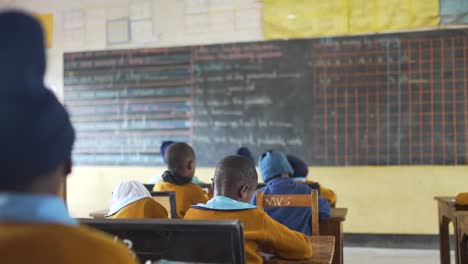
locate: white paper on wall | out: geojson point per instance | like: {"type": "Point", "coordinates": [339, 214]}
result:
{"type": "Point", "coordinates": [197, 23]}
{"type": "Point", "coordinates": [73, 38]}
{"type": "Point", "coordinates": [95, 29]}
{"type": "Point", "coordinates": [219, 5]}
{"type": "Point", "coordinates": [118, 31]}
{"type": "Point", "coordinates": [141, 31]}
{"type": "Point", "coordinates": [248, 19]}
{"type": "Point", "coordinates": [222, 21]}
{"type": "Point", "coordinates": [115, 13]}
{"type": "Point", "coordinates": [73, 19]}
{"type": "Point", "coordinates": [140, 9]}
{"type": "Point", "coordinates": [196, 6]}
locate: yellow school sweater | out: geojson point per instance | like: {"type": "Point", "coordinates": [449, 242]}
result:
{"type": "Point", "coordinates": [144, 208]}
{"type": "Point", "coordinates": [261, 233]}
{"type": "Point", "coordinates": [59, 244]}
{"type": "Point", "coordinates": [186, 195]}
{"type": "Point", "coordinates": [462, 198]}
{"type": "Point", "coordinates": [326, 194]}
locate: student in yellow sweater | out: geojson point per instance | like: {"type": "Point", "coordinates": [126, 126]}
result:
{"type": "Point", "coordinates": [235, 182]}
{"type": "Point", "coordinates": [181, 163]}
{"type": "Point", "coordinates": [131, 200]}
{"type": "Point", "coordinates": [36, 140]}
{"type": "Point", "coordinates": [301, 171]}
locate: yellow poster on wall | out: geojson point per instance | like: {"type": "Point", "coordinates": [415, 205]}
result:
{"type": "Point", "coordinates": [47, 21]}
{"type": "Point", "coordinates": [308, 18]}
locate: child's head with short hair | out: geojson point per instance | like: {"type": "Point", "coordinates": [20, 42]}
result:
{"type": "Point", "coordinates": [299, 166]}
{"type": "Point", "coordinates": [274, 164]}
{"type": "Point", "coordinates": [243, 151]}
{"type": "Point", "coordinates": [236, 178]}
{"type": "Point", "coordinates": [180, 158]}
{"type": "Point", "coordinates": [36, 138]}
{"type": "Point", "coordinates": [163, 148]}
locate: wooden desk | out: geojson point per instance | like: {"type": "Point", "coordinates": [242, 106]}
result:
{"type": "Point", "coordinates": [462, 236]}
{"type": "Point", "coordinates": [333, 226]}
{"type": "Point", "coordinates": [321, 247]}
{"type": "Point", "coordinates": [447, 210]}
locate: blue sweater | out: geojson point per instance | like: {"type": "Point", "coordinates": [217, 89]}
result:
{"type": "Point", "coordinates": [296, 218]}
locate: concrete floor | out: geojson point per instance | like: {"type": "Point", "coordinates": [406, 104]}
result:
{"type": "Point", "coordinates": [391, 256]}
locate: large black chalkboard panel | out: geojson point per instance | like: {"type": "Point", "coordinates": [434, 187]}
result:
{"type": "Point", "coordinates": [390, 99]}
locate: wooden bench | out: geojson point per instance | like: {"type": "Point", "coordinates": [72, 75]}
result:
{"type": "Point", "coordinates": [447, 213]}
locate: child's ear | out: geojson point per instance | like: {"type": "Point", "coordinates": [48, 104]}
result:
{"type": "Point", "coordinates": [191, 165]}
{"type": "Point", "coordinates": [68, 167]}
{"type": "Point", "coordinates": [243, 191]}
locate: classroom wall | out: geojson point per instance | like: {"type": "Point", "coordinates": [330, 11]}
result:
{"type": "Point", "coordinates": [380, 199]}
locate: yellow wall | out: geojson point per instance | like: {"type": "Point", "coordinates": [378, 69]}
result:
{"type": "Point", "coordinates": [380, 199]}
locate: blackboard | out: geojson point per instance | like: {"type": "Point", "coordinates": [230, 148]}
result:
{"type": "Point", "coordinates": [392, 99]}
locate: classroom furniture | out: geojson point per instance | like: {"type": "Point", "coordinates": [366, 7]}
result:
{"type": "Point", "coordinates": [447, 209]}
{"type": "Point", "coordinates": [312, 185]}
{"type": "Point", "coordinates": [333, 226]}
{"type": "Point", "coordinates": [166, 199]}
{"type": "Point", "coordinates": [462, 236]}
{"type": "Point", "coordinates": [321, 246]}
{"type": "Point", "coordinates": [281, 200]}
{"type": "Point", "coordinates": [149, 186]}
{"type": "Point", "coordinates": [207, 241]}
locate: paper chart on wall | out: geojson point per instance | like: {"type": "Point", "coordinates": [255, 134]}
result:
{"type": "Point", "coordinates": [454, 11]}
{"type": "Point", "coordinates": [249, 18]}
{"type": "Point", "coordinates": [282, 19]}
{"type": "Point", "coordinates": [196, 6]}
{"type": "Point", "coordinates": [222, 21]}
{"type": "Point", "coordinates": [140, 9]}
{"type": "Point", "coordinates": [142, 31]}
{"type": "Point", "coordinates": [95, 28]}
{"type": "Point", "coordinates": [118, 31]}
{"type": "Point", "coordinates": [197, 23]}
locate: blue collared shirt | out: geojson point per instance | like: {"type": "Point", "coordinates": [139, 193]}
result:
{"type": "Point", "coordinates": [224, 203]}
{"type": "Point", "coordinates": [33, 208]}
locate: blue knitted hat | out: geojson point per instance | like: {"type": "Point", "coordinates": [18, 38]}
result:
{"type": "Point", "coordinates": [164, 146]}
{"type": "Point", "coordinates": [245, 152]}
{"type": "Point", "coordinates": [273, 163]}
{"type": "Point", "coordinates": [36, 135]}
{"type": "Point", "coordinates": [299, 166]}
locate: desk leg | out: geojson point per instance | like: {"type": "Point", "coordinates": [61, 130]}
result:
{"type": "Point", "coordinates": [444, 240]}
{"type": "Point", "coordinates": [340, 244]}
{"type": "Point", "coordinates": [334, 229]}
{"type": "Point", "coordinates": [457, 245]}
{"type": "Point", "coordinates": [463, 254]}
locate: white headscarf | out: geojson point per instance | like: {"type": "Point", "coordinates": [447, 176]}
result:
{"type": "Point", "coordinates": [126, 193]}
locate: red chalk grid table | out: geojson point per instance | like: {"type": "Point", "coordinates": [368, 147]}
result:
{"type": "Point", "coordinates": [390, 101]}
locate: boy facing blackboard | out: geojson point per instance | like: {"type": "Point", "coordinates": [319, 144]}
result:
{"type": "Point", "coordinates": [181, 162]}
